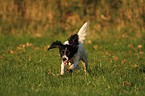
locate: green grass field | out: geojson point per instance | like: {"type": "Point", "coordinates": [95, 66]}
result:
{"type": "Point", "coordinates": [116, 67]}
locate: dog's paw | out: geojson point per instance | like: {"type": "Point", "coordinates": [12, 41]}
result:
{"type": "Point", "coordinates": [69, 70]}
{"type": "Point", "coordinates": [59, 75]}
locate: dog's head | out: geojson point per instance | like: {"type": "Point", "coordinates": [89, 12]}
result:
{"type": "Point", "coordinates": [66, 51]}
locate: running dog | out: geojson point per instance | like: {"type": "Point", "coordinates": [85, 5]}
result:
{"type": "Point", "coordinates": [72, 51]}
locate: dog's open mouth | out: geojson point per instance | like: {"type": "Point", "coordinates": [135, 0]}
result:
{"type": "Point", "coordinates": [66, 62]}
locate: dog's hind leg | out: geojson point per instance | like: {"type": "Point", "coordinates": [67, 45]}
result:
{"type": "Point", "coordinates": [85, 63]}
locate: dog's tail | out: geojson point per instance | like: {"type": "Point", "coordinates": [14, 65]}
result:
{"type": "Point", "coordinates": [83, 32]}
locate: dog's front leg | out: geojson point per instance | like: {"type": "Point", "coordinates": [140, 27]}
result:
{"type": "Point", "coordinates": [72, 67]}
{"type": "Point", "coordinates": [62, 68]}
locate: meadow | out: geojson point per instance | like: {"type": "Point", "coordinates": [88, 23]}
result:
{"type": "Point", "coordinates": [115, 46]}
{"type": "Point", "coordinates": [27, 68]}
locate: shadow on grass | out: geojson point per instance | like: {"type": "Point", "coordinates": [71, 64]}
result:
{"type": "Point", "coordinates": [142, 70]}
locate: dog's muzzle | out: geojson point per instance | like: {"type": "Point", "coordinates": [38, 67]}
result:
{"type": "Point", "coordinates": [64, 59]}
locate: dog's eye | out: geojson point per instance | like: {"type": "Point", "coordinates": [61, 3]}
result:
{"type": "Point", "coordinates": [62, 52]}
{"type": "Point", "coordinates": [67, 52]}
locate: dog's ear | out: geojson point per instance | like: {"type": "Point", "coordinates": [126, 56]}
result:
{"type": "Point", "coordinates": [56, 44]}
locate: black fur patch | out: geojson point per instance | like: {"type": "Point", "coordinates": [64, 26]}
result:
{"type": "Point", "coordinates": [56, 44]}
{"type": "Point", "coordinates": [73, 40]}
{"type": "Point", "coordinates": [68, 50]}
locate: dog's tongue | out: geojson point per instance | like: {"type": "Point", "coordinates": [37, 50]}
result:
{"type": "Point", "coordinates": [65, 62]}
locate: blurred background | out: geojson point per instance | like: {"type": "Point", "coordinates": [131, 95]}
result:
{"type": "Point", "coordinates": [51, 17]}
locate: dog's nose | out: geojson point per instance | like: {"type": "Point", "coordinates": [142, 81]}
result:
{"type": "Point", "coordinates": [64, 59]}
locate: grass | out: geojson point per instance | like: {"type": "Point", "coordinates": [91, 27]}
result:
{"type": "Point", "coordinates": [27, 68]}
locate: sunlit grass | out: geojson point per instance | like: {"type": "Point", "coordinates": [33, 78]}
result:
{"type": "Point", "coordinates": [27, 68]}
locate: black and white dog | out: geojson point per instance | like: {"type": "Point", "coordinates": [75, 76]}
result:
{"type": "Point", "coordinates": [72, 51]}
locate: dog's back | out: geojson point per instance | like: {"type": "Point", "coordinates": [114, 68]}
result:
{"type": "Point", "coordinates": [77, 40]}
{"type": "Point", "coordinates": [79, 37]}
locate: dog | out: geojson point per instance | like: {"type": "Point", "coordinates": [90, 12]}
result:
{"type": "Point", "coordinates": [72, 51]}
